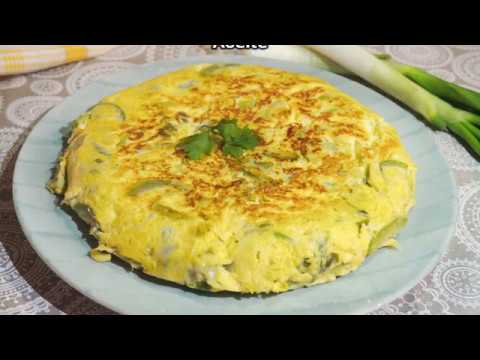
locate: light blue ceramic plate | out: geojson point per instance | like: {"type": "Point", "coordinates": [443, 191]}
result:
{"type": "Point", "coordinates": [384, 276]}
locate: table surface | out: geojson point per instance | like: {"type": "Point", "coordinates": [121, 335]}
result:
{"type": "Point", "coordinates": [28, 286]}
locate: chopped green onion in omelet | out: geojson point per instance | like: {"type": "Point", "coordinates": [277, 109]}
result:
{"type": "Point", "coordinates": [237, 178]}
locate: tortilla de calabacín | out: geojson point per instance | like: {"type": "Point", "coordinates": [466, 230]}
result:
{"type": "Point", "coordinates": [326, 182]}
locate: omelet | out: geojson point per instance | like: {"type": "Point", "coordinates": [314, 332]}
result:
{"type": "Point", "coordinates": [237, 178]}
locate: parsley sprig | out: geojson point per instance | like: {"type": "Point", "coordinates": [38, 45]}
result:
{"type": "Point", "coordinates": [233, 140]}
{"type": "Point", "coordinates": [197, 146]}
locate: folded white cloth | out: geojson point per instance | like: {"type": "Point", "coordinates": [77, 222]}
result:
{"type": "Point", "coordinates": [20, 59]}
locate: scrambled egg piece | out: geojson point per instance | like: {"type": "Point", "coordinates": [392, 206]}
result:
{"type": "Point", "coordinates": [329, 184]}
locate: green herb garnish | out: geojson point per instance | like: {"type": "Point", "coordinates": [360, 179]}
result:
{"type": "Point", "coordinates": [197, 146]}
{"type": "Point", "coordinates": [235, 140]}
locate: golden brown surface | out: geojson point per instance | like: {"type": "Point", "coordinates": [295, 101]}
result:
{"type": "Point", "coordinates": [328, 184]}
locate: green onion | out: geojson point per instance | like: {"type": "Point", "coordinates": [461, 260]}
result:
{"type": "Point", "coordinates": [454, 94]}
{"type": "Point", "coordinates": [438, 112]}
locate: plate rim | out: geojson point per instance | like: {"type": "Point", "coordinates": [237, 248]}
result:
{"type": "Point", "coordinates": [365, 309]}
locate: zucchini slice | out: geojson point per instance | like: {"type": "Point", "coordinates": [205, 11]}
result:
{"type": "Point", "coordinates": [107, 111]}
{"type": "Point", "coordinates": [283, 156]}
{"type": "Point", "coordinates": [211, 70]}
{"type": "Point", "coordinates": [169, 212]}
{"type": "Point", "coordinates": [388, 232]}
{"type": "Point", "coordinates": [188, 84]}
{"type": "Point", "coordinates": [147, 185]}
{"type": "Point", "coordinates": [394, 163]}
{"type": "Point", "coordinates": [85, 213]}
{"type": "Point", "coordinates": [246, 103]}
